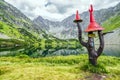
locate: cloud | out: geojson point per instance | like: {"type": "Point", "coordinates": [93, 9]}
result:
{"type": "Point", "coordinates": [57, 9]}
{"type": "Point", "coordinates": [105, 3]}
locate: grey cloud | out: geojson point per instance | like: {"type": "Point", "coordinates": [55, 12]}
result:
{"type": "Point", "coordinates": [105, 3]}
{"type": "Point", "coordinates": [61, 8]}
{"type": "Point", "coordinates": [25, 4]}
{"type": "Point", "coordinates": [48, 3]}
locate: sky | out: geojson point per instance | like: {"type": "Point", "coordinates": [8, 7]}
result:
{"type": "Point", "coordinates": [57, 10]}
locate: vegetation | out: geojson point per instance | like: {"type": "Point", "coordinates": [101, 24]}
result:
{"type": "Point", "coordinates": [10, 31]}
{"type": "Point", "coordinates": [72, 67]}
{"type": "Point", "coordinates": [8, 44]}
{"type": "Point", "coordinates": [32, 39]}
{"type": "Point", "coordinates": [24, 65]}
{"type": "Point", "coordinates": [17, 36]}
{"type": "Point", "coordinates": [112, 23]}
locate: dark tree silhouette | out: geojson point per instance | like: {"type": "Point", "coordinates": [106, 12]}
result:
{"type": "Point", "coordinates": [93, 26]}
{"type": "Point", "coordinates": [93, 54]}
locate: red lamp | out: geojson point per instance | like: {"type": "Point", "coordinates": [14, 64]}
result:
{"type": "Point", "coordinates": [77, 17]}
{"type": "Point", "coordinates": [93, 26]}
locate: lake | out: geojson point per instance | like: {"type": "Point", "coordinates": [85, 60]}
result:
{"type": "Point", "coordinates": [112, 50]}
{"type": "Point", "coordinates": [109, 50]}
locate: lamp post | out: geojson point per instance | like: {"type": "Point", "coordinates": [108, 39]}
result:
{"type": "Point", "coordinates": [92, 27]}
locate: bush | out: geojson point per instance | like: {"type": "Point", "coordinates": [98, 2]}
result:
{"type": "Point", "coordinates": [22, 56]}
{"type": "Point", "coordinates": [99, 68]}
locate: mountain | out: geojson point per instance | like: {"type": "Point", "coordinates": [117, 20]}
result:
{"type": "Point", "coordinates": [14, 24]}
{"type": "Point", "coordinates": [67, 29]}
{"type": "Point", "coordinates": [16, 29]}
{"type": "Point", "coordinates": [57, 29]}
{"type": "Point", "coordinates": [50, 27]}
{"type": "Point", "coordinates": [42, 22]}
{"type": "Point", "coordinates": [12, 16]}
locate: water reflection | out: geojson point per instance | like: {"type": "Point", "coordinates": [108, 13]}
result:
{"type": "Point", "coordinates": [38, 52]}
{"type": "Point", "coordinates": [112, 50]}
{"type": "Point", "coordinates": [43, 52]}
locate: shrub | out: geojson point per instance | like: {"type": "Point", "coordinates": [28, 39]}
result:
{"type": "Point", "coordinates": [22, 56]}
{"type": "Point", "coordinates": [99, 68]}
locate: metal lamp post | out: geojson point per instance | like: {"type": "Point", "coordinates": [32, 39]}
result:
{"type": "Point", "coordinates": [92, 27]}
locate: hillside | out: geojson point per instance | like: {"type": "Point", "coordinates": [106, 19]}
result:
{"type": "Point", "coordinates": [12, 16]}
{"type": "Point", "coordinates": [15, 24]}
{"type": "Point", "coordinates": [112, 23]}
{"type": "Point", "coordinates": [9, 32]}
{"type": "Point", "coordinates": [17, 29]}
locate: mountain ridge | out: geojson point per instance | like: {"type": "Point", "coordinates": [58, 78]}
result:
{"type": "Point", "coordinates": [15, 25]}
{"type": "Point", "coordinates": [14, 18]}
{"type": "Point", "coordinates": [67, 29]}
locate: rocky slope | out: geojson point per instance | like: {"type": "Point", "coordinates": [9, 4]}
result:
{"type": "Point", "coordinates": [67, 29]}
{"type": "Point", "coordinates": [112, 24]}
{"type": "Point", "coordinates": [113, 38]}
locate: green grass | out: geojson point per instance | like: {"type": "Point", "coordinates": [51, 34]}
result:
{"type": "Point", "coordinates": [17, 33]}
{"type": "Point", "coordinates": [71, 67]}
{"type": "Point", "coordinates": [112, 23]}
{"type": "Point", "coordinates": [10, 31]}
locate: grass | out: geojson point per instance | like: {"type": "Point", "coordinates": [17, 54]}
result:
{"type": "Point", "coordinates": [71, 67]}
{"type": "Point", "coordinates": [112, 23]}
{"type": "Point", "coordinates": [10, 31]}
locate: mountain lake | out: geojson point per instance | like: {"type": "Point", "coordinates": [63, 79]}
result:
{"type": "Point", "coordinates": [109, 50]}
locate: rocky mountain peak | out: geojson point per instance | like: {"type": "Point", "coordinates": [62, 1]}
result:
{"type": "Point", "coordinates": [69, 29]}
{"type": "Point", "coordinates": [39, 18]}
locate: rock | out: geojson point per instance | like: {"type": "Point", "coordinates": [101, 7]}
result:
{"type": "Point", "coordinates": [66, 29]}
{"type": "Point", "coordinates": [3, 36]}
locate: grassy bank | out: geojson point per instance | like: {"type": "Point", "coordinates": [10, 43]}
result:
{"type": "Point", "coordinates": [58, 68]}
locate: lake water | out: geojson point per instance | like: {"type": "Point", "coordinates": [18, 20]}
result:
{"type": "Point", "coordinates": [111, 50]}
